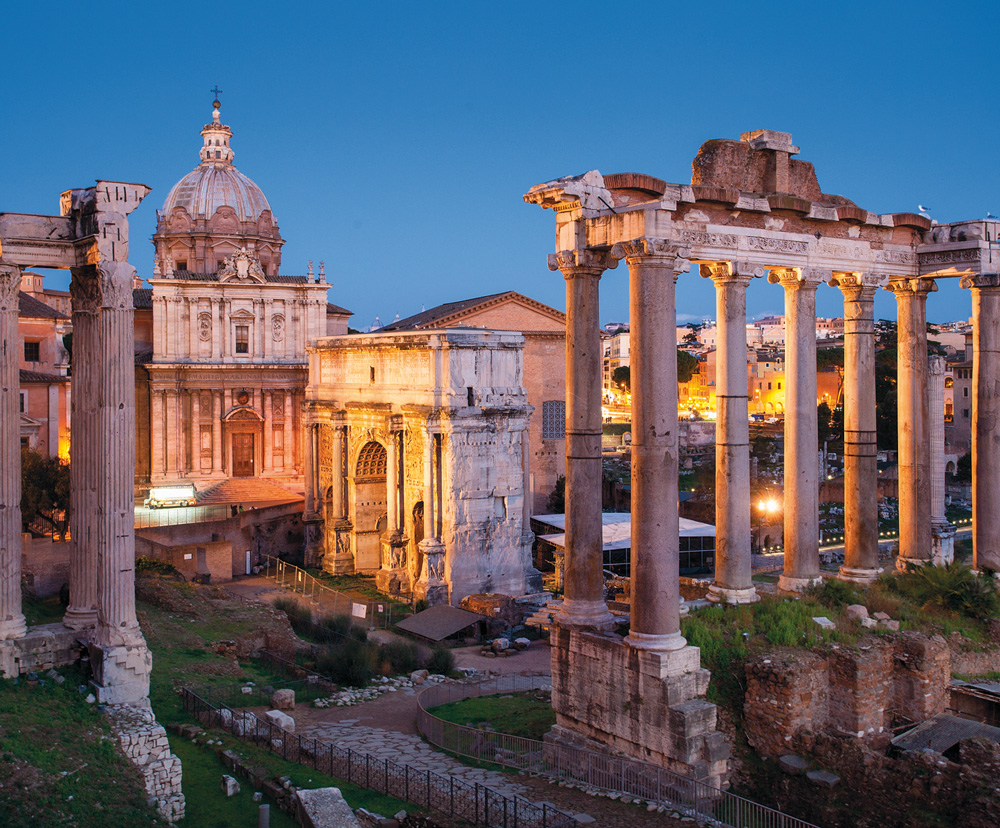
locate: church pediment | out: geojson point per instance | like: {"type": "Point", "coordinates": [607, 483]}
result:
{"type": "Point", "coordinates": [243, 415]}
{"type": "Point", "coordinates": [243, 267]}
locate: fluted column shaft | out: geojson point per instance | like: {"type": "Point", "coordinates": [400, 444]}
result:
{"type": "Point", "coordinates": [337, 475]}
{"type": "Point", "coordinates": [584, 604]}
{"type": "Point", "coordinates": [196, 432]}
{"type": "Point", "coordinates": [82, 610]}
{"type": "Point", "coordinates": [913, 422]}
{"type": "Point", "coordinates": [286, 457]}
{"type": "Point", "coordinates": [430, 522]}
{"type": "Point", "coordinates": [860, 442]}
{"type": "Point", "coordinates": [12, 624]}
{"type": "Point", "coordinates": [310, 464]}
{"type": "Point", "coordinates": [392, 483]}
{"type": "Point", "coordinates": [733, 563]}
{"type": "Point", "coordinates": [985, 420]}
{"type": "Point", "coordinates": [268, 431]}
{"type": "Point", "coordinates": [114, 435]}
{"type": "Point", "coordinates": [653, 268]}
{"type": "Point", "coordinates": [801, 430]}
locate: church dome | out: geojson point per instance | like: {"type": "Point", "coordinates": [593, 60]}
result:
{"type": "Point", "coordinates": [215, 182]}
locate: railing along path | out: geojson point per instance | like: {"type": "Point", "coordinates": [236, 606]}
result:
{"type": "Point", "coordinates": [639, 780]}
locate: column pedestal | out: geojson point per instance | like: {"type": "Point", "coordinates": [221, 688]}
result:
{"type": "Point", "coordinates": [338, 559]}
{"type": "Point", "coordinates": [431, 585]}
{"type": "Point", "coordinates": [393, 577]}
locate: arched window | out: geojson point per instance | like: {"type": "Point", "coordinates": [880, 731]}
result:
{"type": "Point", "coordinates": [371, 462]}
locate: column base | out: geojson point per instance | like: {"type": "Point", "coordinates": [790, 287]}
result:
{"type": "Point", "coordinates": [77, 618]}
{"type": "Point", "coordinates": [942, 543]}
{"type": "Point", "coordinates": [121, 673]}
{"type": "Point", "coordinates": [661, 643]}
{"type": "Point", "coordinates": [584, 615]}
{"type": "Point", "coordinates": [433, 593]}
{"type": "Point", "coordinates": [727, 595]}
{"type": "Point", "coordinates": [858, 576]}
{"type": "Point", "coordinates": [532, 577]}
{"type": "Point", "coordinates": [786, 583]}
{"type": "Point", "coordinates": [339, 560]}
{"type": "Point", "coordinates": [313, 551]}
{"type": "Point", "coordinates": [14, 627]}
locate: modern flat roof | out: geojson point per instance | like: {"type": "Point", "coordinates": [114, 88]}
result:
{"type": "Point", "coordinates": [617, 529]}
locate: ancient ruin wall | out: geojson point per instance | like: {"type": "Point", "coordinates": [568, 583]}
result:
{"type": "Point", "coordinates": [849, 690]}
{"type": "Point", "coordinates": [145, 744]}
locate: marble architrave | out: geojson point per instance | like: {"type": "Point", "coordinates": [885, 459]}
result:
{"type": "Point", "coordinates": [431, 478]}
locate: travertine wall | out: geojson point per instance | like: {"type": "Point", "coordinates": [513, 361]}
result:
{"type": "Point", "coordinates": [849, 690]}
{"type": "Point", "coordinates": [45, 565]}
{"type": "Point", "coordinates": [145, 744]}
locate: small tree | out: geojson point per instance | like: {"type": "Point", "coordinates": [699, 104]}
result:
{"type": "Point", "coordinates": [622, 377]}
{"type": "Point", "coordinates": [557, 499]}
{"type": "Point", "coordinates": [44, 491]}
{"type": "Point", "coordinates": [686, 365]}
{"type": "Point", "coordinates": [963, 468]}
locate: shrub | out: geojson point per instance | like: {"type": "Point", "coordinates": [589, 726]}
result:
{"type": "Point", "coordinates": [144, 565]}
{"type": "Point", "coordinates": [420, 606]}
{"type": "Point", "coordinates": [953, 588]}
{"type": "Point", "coordinates": [354, 663]}
{"type": "Point", "coordinates": [331, 629]}
{"type": "Point", "coordinates": [442, 661]}
{"type": "Point", "coordinates": [299, 615]}
{"type": "Point", "coordinates": [399, 658]}
{"type": "Point", "coordinates": [834, 593]}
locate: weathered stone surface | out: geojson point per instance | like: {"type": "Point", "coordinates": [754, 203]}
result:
{"type": "Point", "coordinates": [790, 763]}
{"type": "Point", "coordinates": [283, 699]}
{"type": "Point", "coordinates": [282, 720]}
{"type": "Point", "coordinates": [825, 623]}
{"type": "Point", "coordinates": [824, 779]}
{"type": "Point", "coordinates": [230, 787]}
{"type": "Point", "coordinates": [857, 611]}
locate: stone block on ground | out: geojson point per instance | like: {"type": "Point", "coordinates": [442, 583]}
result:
{"type": "Point", "coordinates": [282, 720]}
{"type": "Point", "coordinates": [324, 808]}
{"type": "Point", "coordinates": [824, 622]}
{"type": "Point", "coordinates": [857, 611]}
{"type": "Point", "coordinates": [824, 779]}
{"type": "Point", "coordinates": [522, 643]}
{"type": "Point", "coordinates": [869, 623]}
{"type": "Point", "coordinates": [890, 625]}
{"type": "Point", "coordinates": [795, 765]}
{"type": "Point", "coordinates": [881, 616]}
{"type": "Point", "coordinates": [230, 787]}
{"type": "Point", "coordinates": [499, 645]}
{"type": "Point", "coordinates": [283, 700]}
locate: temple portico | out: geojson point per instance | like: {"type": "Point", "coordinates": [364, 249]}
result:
{"type": "Point", "coordinates": [90, 238]}
{"type": "Point", "coordinates": [750, 210]}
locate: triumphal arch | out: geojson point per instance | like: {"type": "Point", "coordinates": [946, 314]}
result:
{"type": "Point", "coordinates": [751, 211]}
{"type": "Point", "coordinates": [90, 238]}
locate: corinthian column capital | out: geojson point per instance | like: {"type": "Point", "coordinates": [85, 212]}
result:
{"type": "Point", "coordinates": [572, 262]}
{"type": "Point", "coordinates": [981, 280]}
{"type": "Point", "coordinates": [10, 284]}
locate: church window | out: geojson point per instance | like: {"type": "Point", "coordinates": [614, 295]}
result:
{"type": "Point", "coordinates": [243, 339]}
{"type": "Point", "coordinates": [182, 264]}
{"type": "Point", "coordinates": [24, 397]}
{"type": "Point", "coordinates": [218, 154]}
{"type": "Point", "coordinates": [553, 420]}
{"type": "Point", "coordinates": [32, 351]}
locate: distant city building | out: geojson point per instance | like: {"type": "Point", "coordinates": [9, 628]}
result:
{"type": "Point", "coordinates": [45, 386]}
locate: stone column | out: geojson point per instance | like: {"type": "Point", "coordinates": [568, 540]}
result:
{"type": "Point", "coordinates": [985, 420]}
{"type": "Point", "coordinates": [392, 576]}
{"type": "Point", "coordinates": [733, 582]}
{"type": "Point", "coordinates": [801, 429]}
{"type": "Point", "coordinates": [171, 448]}
{"type": "Point", "coordinates": [217, 432]}
{"type": "Point", "coordinates": [532, 577]}
{"type": "Point", "coordinates": [584, 604]}
{"type": "Point", "coordinates": [653, 267]}
{"type": "Point", "coordinates": [196, 432]}
{"type": "Point", "coordinates": [268, 431]}
{"type": "Point", "coordinates": [119, 656]}
{"type": "Point", "coordinates": [12, 624]}
{"type": "Point", "coordinates": [430, 585]}
{"type": "Point", "coordinates": [287, 456]}
{"type": "Point", "coordinates": [942, 532]}
{"type": "Point", "coordinates": [914, 435]}
{"type": "Point", "coordinates": [82, 610]}
{"type": "Point", "coordinates": [860, 443]}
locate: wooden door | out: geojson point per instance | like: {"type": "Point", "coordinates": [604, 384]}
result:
{"type": "Point", "coordinates": [243, 455]}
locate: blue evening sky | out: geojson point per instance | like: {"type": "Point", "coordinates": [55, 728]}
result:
{"type": "Point", "coordinates": [394, 140]}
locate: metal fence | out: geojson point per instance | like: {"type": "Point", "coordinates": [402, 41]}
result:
{"type": "Point", "coordinates": [375, 613]}
{"type": "Point", "coordinates": [146, 518]}
{"type": "Point", "coordinates": [477, 804]}
{"type": "Point", "coordinates": [640, 780]}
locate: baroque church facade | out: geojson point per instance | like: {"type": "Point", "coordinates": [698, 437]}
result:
{"type": "Point", "coordinates": [221, 335]}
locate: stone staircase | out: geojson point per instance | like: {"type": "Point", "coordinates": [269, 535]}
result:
{"type": "Point", "coordinates": [244, 491]}
{"type": "Point", "coordinates": [542, 616]}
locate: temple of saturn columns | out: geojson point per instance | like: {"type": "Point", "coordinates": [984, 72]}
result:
{"type": "Point", "coordinates": [750, 211]}
{"type": "Point", "coordinates": [90, 238]}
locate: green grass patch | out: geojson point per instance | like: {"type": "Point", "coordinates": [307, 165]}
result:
{"type": "Point", "coordinates": [529, 714]}
{"type": "Point", "coordinates": [43, 611]}
{"type": "Point", "coordinates": [59, 763]}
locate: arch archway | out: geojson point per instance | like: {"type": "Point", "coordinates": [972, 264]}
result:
{"type": "Point", "coordinates": [368, 503]}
